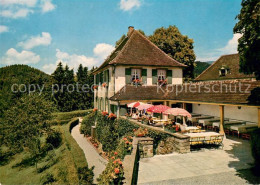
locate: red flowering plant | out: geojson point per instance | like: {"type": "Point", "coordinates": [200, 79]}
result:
{"type": "Point", "coordinates": [162, 82]}
{"type": "Point", "coordinates": [104, 84]}
{"type": "Point", "coordinates": [141, 132]}
{"type": "Point", "coordinates": [111, 116]}
{"type": "Point", "coordinates": [95, 110]}
{"type": "Point", "coordinates": [128, 146]}
{"type": "Point", "coordinates": [114, 172]}
{"type": "Point", "coordinates": [104, 113]}
{"type": "Point", "coordinates": [137, 81]}
{"type": "Point", "coordinates": [95, 87]}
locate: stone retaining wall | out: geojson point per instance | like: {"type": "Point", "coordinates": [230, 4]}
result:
{"type": "Point", "coordinates": [130, 163]}
{"type": "Point", "coordinates": [175, 143]}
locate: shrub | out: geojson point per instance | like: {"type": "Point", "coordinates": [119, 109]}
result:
{"type": "Point", "coordinates": [125, 126]}
{"type": "Point", "coordinates": [255, 145]}
{"type": "Point", "coordinates": [114, 173]}
{"type": "Point", "coordinates": [106, 132]}
{"type": "Point", "coordinates": [48, 179]}
{"type": "Point", "coordinates": [86, 175]}
{"type": "Point", "coordinates": [54, 138]}
{"type": "Point", "coordinates": [70, 115]}
{"type": "Point", "coordinates": [73, 123]}
{"type": "Point", "coordinates": [87, 122]}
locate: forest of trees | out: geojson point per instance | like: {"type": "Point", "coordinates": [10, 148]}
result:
{"type": "Point", "coordinates": [17, 81]}
{"type": "Point", "coordinates": [72, 92]}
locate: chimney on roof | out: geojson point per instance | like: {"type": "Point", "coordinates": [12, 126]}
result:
{"type": "Point", "coordinates": [130, 30]}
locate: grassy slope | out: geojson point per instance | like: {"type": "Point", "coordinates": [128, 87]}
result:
{"type": "Point", "coordinates": [65, 170]}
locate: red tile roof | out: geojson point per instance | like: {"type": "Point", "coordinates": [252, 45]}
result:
{"type": "Point", "coordinates": [136, 49]}
{"type": "Point", "coordinates": [230, 62]}
{"type": "Point", "coordinates": [196, 92]}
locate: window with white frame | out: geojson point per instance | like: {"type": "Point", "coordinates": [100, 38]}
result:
{"type": "Point", "coordinates": [136, 74]}
{"type": "Point", "coordinates": [161, 73]}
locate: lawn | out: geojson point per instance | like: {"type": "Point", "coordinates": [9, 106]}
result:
{"type": "Point", "coordinates": [62, 163]}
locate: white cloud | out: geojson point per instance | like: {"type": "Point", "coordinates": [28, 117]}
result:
{"type": "Point", "coordinates": [72, 60]}
{"type": "Point", "coordinates": [49, 68]}
{"type": "Point", "coordinates": [229, 48]}
{"type": "Point", "coordinates": [3, 29]}
{"type": "Point", "coordinates": [16, 13]}
{"type": "Point", "coordinates": [24, 57]}
{"type": "Point", "coordinates": [29, 3]}
{"type": "Point", "coordinates": [22, 8]}
{"type": "Point", "coordinates": [44, 39]}
{"type": "Point", "coordinates": [102, 50]}
{"type": "Point", "coordinates": [47, 6]}
{"type": "Point", "coordinates": [127, 5]}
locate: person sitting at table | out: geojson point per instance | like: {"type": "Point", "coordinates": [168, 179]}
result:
{"type": "Point", "coordinates": [183, 128]}
{"type": "Point", "coordinates": [135, 116]}
{"type": "Point", "coordinates": [173, 122]}
{"type": "Point", "coordinates": [150, 121]}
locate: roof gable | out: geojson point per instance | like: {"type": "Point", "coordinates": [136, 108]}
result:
{"type": "Point", "coordinates": [136, 49]}
{"type": "Point", "coordinates": [229, 62]}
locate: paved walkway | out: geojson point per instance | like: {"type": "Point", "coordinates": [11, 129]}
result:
{"type": "Point", "coordinates": [92, 156]}
{"type": "Point", "coordinates": [215, 166]}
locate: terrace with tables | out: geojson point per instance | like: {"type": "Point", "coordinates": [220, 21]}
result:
{"type": "Point", "coordinates": [203, 130]}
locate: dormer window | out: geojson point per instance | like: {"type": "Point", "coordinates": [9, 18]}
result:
{"type": "Point", "coordinates": [223, 71]}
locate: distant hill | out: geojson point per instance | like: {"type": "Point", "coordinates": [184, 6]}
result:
{"type": "Point", "coordinates": [200, 67]}
{"type": "Point", "coordinates": [18, 74]}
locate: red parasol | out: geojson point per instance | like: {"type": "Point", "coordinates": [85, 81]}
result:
{"type": "Point", "coordinates": [158, 108]}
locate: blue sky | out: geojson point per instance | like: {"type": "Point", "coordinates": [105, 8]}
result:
{"type": "Point", "coordinates": [42, 32]}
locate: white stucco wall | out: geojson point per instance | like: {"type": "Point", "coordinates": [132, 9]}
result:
{"type": "Point", "coordinates": [177, 76]}
{"type": "Point", "coordinates": [231, 112]}
{"type": "Point", "coordinates": [119, 78]}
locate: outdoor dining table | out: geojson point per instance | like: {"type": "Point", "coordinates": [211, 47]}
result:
{"type": "Point", "coordinates": [191, 128]}
{"type": "Point", "coordinates": [195, 114]}
{"type": "Point", "coordinates": [243, 127]}
{"type": "Point", "coordinates": [160, 120]}
{"type": "Point", "coordinates": [209, 121]}
{"type": "Point", "coordinates": [205, 135]}
{"type": "Point", "coordinates": [216, 124]}
{"type": "Point", "coordinates": [194, 119]}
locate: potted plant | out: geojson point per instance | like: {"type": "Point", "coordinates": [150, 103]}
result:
{"type": "Point", "coordinates": [104, 84]}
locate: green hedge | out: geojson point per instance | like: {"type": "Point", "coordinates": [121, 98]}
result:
{"type": "Point", "coordinates": [255, 145]}
{"type": "Point", "coordinates": [110, 131]}
{"type": "Point", "coordinates": [70, 115]}
{"type": "Point", "coordinates": [125, 126]}
{"type": "Point", "coordinates": [106, 133]}
{"type": "Point", "coordinates": [87, 122]}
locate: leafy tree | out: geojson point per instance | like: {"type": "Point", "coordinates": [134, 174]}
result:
{"type": "Point", "coordinates": [17, 75]}
{"type": "Point", "coordinates": [27, 119]}
{"type": "Point", "coordinates": [176, 45]}
{"type": "Point", "coordinates": [249, 44]}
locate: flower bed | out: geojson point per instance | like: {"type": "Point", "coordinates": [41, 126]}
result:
{"type": "Point", "coordinates": [114, 172]}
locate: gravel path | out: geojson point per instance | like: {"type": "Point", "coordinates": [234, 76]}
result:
{"type": "Point", "coordinates": [92, 156]}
